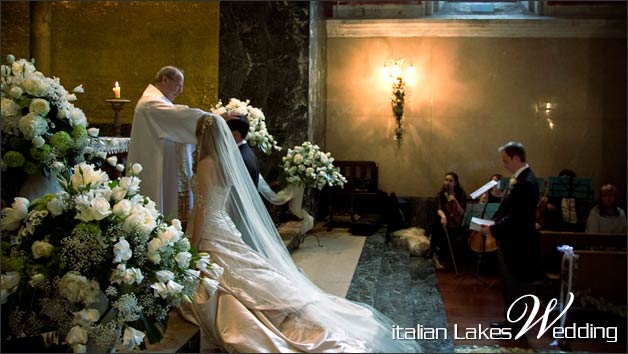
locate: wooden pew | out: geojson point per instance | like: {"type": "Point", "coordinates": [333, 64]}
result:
{"type": "Point", "coordinates": [598, 276]}
{"type": "Point", "coordinates": [550, 240]}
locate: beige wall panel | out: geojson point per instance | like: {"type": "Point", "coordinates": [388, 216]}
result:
{"type": "Point", "coordinates": [471, 95]}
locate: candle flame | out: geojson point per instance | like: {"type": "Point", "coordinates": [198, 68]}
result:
{"type": "Point", "coordinates": [117, 84]}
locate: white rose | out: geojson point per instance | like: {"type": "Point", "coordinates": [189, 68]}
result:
{"type": "Point", "coordinates": [79, 348]}
{"type": "Point", "coordinates": [177, 224]}
{"type": "Point", "coordinates": [9, 108]}
{"type": "Point", "coordinates": [38, 141]}
{"type": "Point", "coordinates": [93, 132]}
{"type": "Point", "coordinates": [39, 106]}
{"type": "Point", "coordinates": [100, 208]}
{"type": "Point", "coordinates": [122, 251]}
{"type": "Point", "coordinates": [122, 208]}
{"type": "Point", "coordinates": [183, 259]}
{"type": "Point", "coordinates": [12, 217]}
{"type": "Point", "coordinates": [41, 249]}
{"type": "Point", "coordinates": [112, 160]}
{"type": "Point", "coordinates": [154, 245]}
{"type": "Point", "coordinates": [36, 280]}
{"type": "Point", "coordinates": [137, 168]}
{"type": "Point", "coordinates": [140, 220]}
{"type": "Point", "coordinates": [76, 288]}
{"type": "Point", "coordinates": [298, 158]}
{"type": "Point", "coordinates": [86, 316]}
{"type": "Point", "coordinates": [169, 236]}
{"type": "Point", "coordinates": [32, 125]}
{"type": "Point", "coordinates": [117, 193]}
{"type": "Point", "coordinates": [119, 167]}
{"type": "Point", "coordinates": [16, 92]}
{"type": "Point", "coordinates": [76, 335]}
{"type": "Point", "coordinates": [36, 84]}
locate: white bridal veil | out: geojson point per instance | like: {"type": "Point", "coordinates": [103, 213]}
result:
{"type": "Point", "coordinates": [288, 291]}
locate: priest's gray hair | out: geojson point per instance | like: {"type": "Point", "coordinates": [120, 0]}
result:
{"type": "Point", "coordinates": [168, 71]}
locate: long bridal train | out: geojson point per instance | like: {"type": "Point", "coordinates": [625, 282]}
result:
{"type": "Point", "coordinates": [264, 303]}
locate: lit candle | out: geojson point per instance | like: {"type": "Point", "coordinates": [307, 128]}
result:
{"type": "Point", "coordinates": [116, 91]}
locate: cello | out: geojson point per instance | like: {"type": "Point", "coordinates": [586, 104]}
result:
{"type": "Point", "coordinates": [479, 243]}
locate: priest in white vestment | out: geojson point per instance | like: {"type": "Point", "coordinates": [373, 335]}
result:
{"type": "Point", "coordinates": [162, 140]}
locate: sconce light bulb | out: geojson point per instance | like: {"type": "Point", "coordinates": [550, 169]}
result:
{"type": "Point", "coordinates": [548, 106]}
{"type": "Point", "coordinates": [411, 70]}
{"type": "Point", "coordinates": [385, 71]}
{"type": "Point", "coordinates": [396, 71]}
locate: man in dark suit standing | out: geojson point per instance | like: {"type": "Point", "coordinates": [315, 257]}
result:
{"type": "Point", "coordinates": [514, 229]}
{"type": "Point", "coordinates": [240, 128]}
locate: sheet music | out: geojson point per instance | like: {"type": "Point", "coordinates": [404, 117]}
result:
{"type": "Point", "coordinates": [477, 222]}
{"type": "Point", "coordinates": [483, 189]}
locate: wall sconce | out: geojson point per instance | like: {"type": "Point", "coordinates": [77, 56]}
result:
{"type": "Point", "coordinates": [547, 108]}
{"type": "Point", "coordinates": [394, 72]}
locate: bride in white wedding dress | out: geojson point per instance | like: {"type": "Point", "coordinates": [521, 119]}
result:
{"type": "Point", "coordinates": [264, 303]}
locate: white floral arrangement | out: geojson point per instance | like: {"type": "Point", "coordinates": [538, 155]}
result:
{"type": "Point", "coordinates": [96, 263]}
{"type": "Point", "coordinates": [258, 135]}
{"type": "Point", "coordinates": [42, 130]}
{"type": "Point", "coordinates": [306, 165]}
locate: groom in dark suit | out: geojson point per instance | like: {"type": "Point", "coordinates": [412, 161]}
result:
{"type": "Point", "coordinates": [240, 128]}
{"type": "Point", "coordinates": [518, 239]}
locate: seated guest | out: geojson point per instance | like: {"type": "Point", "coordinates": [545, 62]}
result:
{"type": "Point", "coordinates": [606, 217]}
{"type": "Point", "coordinates": [452, 200]}
{"type": "Point", "coordinates": [494, 195]}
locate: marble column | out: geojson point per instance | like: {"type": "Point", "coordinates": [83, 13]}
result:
{"type": "Point", "coordinates": [41, 35]}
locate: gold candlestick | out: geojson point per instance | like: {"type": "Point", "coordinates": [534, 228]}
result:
{"type": "Point", "coordinates": [117, 104]}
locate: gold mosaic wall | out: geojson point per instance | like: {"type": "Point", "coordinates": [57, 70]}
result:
{"type": "Point", "coordinates": [98, 43]}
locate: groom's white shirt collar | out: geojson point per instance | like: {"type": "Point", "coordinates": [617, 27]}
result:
{"type": "Point", "coordinates": [242, 142]}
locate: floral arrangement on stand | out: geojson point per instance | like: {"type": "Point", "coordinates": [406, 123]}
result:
{"type": "Point", "coordinates": [42, 131]}
{"type": "Point", "coordinates": [258, 134]}
{"type": "Point", "coordinates": [95, 263]}
{"type": "Point", "coordinates": [306, 165]}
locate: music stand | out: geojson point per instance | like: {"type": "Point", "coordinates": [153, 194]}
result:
{"type": "Point", "coordinates": [570, 187]}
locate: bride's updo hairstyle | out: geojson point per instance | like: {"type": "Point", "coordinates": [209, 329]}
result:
{"type": "Point", "coordinates": [205, 140]}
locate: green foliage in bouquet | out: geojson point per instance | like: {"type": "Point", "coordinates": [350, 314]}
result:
{"type": "Point", "coordinates": [94, 263]}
